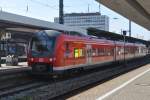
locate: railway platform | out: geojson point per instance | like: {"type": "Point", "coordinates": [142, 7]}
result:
{"type": "Point", "coordinates": [134, 85]}
{"type": "Point", "coordinates": [20, 65]}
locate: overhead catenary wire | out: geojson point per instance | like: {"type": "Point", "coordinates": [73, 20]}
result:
{"type": "Point", "coordinates": [44, 4]}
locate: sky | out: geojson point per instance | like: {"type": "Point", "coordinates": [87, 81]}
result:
{"type": "Point", "coordinates": [48, 9]}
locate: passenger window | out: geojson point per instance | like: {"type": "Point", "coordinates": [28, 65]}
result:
{"type": "Point", "coordinates": [67, 51]}
{"type": "Point", "coordinates": [100, 52]}
{"type": "Point", "coordinates": [80, 52]}
{"type": "Point", "coordinates": [76, 53]}
{"type": "Point", "coordinates": [93, 52]}
{"type": "Point", "coordinates": [96, 51]}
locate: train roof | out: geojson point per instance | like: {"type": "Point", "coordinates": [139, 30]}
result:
{"type": "Point", "coordinates": [55, 33]}
{"type": "Point", "coordinates": [114, 36]}
{"type": "Point", "coordinates": [58, 32]}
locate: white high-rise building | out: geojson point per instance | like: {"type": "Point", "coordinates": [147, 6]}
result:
{"type": "Point", "coordinates": [86, 20]}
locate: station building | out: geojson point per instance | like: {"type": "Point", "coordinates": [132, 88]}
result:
{"type": "Point", "coordinates": [86, 20]}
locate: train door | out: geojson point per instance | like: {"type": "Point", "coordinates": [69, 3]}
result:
{"type": "Point", "coordinates": [88, 54]}
{"type": "Point", "coordinates": [114, 52]}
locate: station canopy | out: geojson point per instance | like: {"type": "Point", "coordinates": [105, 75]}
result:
{"type": "Point", "coordinates": [114, 36]}
{"type": "Point", "coordinates": [135, 10]}
{"type": "Point", "coordinates": [13, 22]}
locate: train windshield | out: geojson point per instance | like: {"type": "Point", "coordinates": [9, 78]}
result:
{"type": "Point", "coordinates": [42, 44]}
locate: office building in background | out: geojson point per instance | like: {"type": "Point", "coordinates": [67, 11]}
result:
{"type": "Point", "coordinates": [86, 20]}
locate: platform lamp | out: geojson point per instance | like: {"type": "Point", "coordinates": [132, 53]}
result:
{"type": "Point", "coordinates": [124, 41]}
{"type": "Point", "coordinates": [129, 28]}
{"type": "Point", "coordinates": [124, 33]}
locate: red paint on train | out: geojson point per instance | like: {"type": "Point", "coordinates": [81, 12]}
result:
{"type": "Point", "coordinates": [53, 51]}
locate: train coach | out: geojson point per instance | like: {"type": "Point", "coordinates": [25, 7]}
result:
{"type": "Point", "coordinates": [53, 51]}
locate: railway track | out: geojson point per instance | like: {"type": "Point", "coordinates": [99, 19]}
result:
{"type": "Point", "coordinates": [12, 73]}
{"type": "Point", "coordinates": [32, 88]}
{"type": "Point", "coordinates": [9, 78]}
{"type": "Point", "coordinates": [13, 81]}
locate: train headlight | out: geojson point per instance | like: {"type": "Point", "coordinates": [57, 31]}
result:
{"type": "Point", "coordinates": [32, 59]}
{"type": "Point", "coordinates": [50, 59]}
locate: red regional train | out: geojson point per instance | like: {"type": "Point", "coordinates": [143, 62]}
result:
{"type": "Point", "coordinates": [53, 51]}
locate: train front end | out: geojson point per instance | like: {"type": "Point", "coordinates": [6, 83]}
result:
{"type": "Point", "coordinates": [41, 51]}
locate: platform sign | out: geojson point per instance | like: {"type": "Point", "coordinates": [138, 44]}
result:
{"type": "Point", "coordinates": [8, 35]}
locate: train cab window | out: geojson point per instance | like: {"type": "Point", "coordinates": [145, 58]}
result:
{"type": "Point", "coordinates": [39, 46]}
{"type": "Point", "coordinates": [42, 44]}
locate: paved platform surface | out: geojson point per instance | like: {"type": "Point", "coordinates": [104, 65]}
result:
{"type": "Point", "coordinates": [134, 85]}
{"type": "Point", "coordinates": [139, 89]}
{"type": "Point", "coordinates": [20, 65]}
